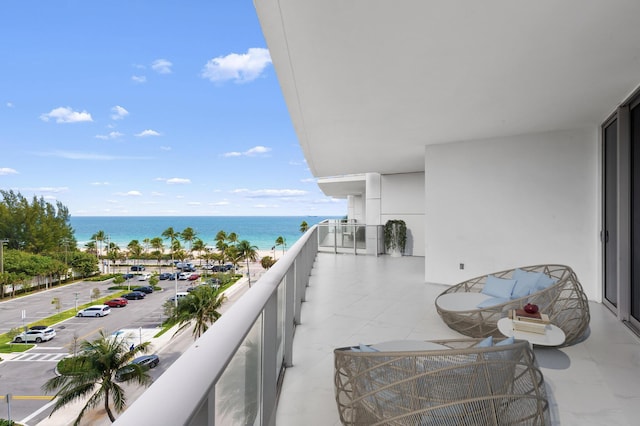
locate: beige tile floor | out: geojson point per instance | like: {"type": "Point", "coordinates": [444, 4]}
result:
{"type": "Point", "coordinates": [366, 299]}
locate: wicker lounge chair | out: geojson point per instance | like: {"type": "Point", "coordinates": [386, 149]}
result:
{"type": "Point", "coordinates": [564, 301]}
{"type": "Point", "coordinates": [457, 384]}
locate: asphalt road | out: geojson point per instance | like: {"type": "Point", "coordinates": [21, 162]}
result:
{"type": "Point", "coordinates": [22, 376]}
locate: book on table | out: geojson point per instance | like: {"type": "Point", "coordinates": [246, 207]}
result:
{"type": "Point", "coordinates": [529, 323]}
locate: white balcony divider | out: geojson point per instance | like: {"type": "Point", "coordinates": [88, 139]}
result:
{"type": "Point", "coordinates": [232, 373]}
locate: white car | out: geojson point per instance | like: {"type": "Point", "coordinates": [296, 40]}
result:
{"type": "Point", "coordinates": [144, 277]}
{"type": "Point", "coordinates": [184, 275]}
{"type": "Point", "coordinates": [37, 336]}
{"type": "Point", "coordinates": [95, 311]}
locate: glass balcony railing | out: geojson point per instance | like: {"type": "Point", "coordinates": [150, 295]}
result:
{"type": "Point", "coordinates": [339, 236]}
{"type": "Point", "coordinates": [232, 373]}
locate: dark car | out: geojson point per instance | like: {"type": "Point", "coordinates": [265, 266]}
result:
{"type": "Point", "coordinates": [165, 276]}
{"type": "Point", "coordinates": [118, 302]}
{"type": "Point", "coordinates": [127, 276]}
{"type": "Point", "coordinates": [144, 289]}
{"type": "Point", "coordinates": [137, 268]}
{"type": "Point", "coordinates": [145, 362]}
{"type": "Point", "coordinates": [134, 295]}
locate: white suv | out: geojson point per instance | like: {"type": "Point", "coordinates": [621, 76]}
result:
{"type": "Point", "coordinates": [95, 311]}
{"type": "Point", "coordinates": [37, 336]}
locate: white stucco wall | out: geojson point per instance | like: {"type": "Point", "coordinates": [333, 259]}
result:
{"type": "Point", "coordinates": [502, 203]}
{"type": "Point", "coordinates": [402, 197]}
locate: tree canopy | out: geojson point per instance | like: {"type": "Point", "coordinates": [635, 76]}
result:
{"type": "Point", "coordinates": [37, 226]}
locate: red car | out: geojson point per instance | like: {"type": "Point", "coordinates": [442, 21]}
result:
{"type": "Point", "coordinates": [193, 277]}
{"type": "Point", "coordinates": [119, 302]}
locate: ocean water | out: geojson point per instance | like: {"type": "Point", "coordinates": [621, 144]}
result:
{"type": "Point", "coordinates": [260, 231]}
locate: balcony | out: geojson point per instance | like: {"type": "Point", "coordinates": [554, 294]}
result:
{"type": "Point", "coordinates": [234, 373]}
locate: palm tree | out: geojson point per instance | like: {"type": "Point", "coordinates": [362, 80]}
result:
{"type": "Point", "coordinates": [172, 236]}
{"type": "Point", "coordinates": [233, 255]}
{"type": "Point", "coordinates": [248, 253]}
{"type": "Point", "coordinates": [281, 241]}
{"type": "Point", "coordinates": [135, 249]}
{"type": "Point", "coordinates": [94, 375]}
{"type": "Point", "coordinates": [200, 247]}
{"type": "Point", "coordinates": [158, 249]}
{"type": "Point", "coordinates": [188, 235]}
{"type": "Point", "coordinates": [99, 237]}
{"type": "Point", "coordinates": [267, 262]}
{"type": "Point", "coordinates": [201, 306]}
{"type": "Point", "coordinates": [113, 253]}
{"type": "Point", "coordinates": [232, 237]}
{"type": "Point", "coordinates": [304, 226]}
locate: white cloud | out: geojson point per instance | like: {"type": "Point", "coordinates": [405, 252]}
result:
{"type": "Point", "coordinates": [87, 156]}
{"type": "Point", "coordinates": [49, 189]}
{"type": "Point", "coordinates": [238, 67]}
{"type": "Point", "coordinates": [309, 180]}
{"type": "Point", "coordinates": [9, 104]}
{"type": "Point", "coordinates": [251, 152]}
{"type": "Point", "coordinates": [7, 171]}
{"type": "Point", "coordinates": [162, 66]}
{"type": "Point", "coordinates": [118, 113]}
{"type": "Point", "coordinates": [220, 203]}
{"type": "Point", "coordinates": [66, 115]}
{"type": "Point", "coordinates": [147, 132]}
{"type": "Point", "coordinates": [178, 181]}
{"type": "Point", "coordinates": [270, 193]}
{"type": "Point", "coordinates": [133, 193]}
{"type": "Point", "coordinates": [157, 194]}
{"type": "Point", "coordinates": [111, 135]}
{"type": "Point", "coordinates": [165, 148]}
{"type": "Point", "coordinates": [139, 78]}
{"type": "Point", "coordinates": [100, 183]}
{"type": "Point", "coordinates": [194, 203]}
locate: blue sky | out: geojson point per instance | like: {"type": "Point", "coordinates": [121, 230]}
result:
{"type": "Point", "coordinates": [132, 108]}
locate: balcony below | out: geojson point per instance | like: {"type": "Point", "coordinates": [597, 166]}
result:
{"type": "Point", "coordinates": [368, 299]}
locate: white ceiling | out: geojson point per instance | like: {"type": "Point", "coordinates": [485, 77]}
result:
{"type": "Point", "coordinates": [369, 83]}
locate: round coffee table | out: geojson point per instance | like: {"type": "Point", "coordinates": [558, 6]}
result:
{"type": "Point", "coordinates": [553, 336]}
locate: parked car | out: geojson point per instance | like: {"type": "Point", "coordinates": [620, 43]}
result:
{"type": "Point", "coordinates": [137, 268]}
{"type": "Point", "coordinates": [144, 289]}
{"type": "Point", "coordinates": [207, 267]}
{"type": "Point", "coordinates": [179, 295]}
{"type": "Point", "coordinates": [95, 311]}
{"type": "Point", "coordinates": [134, 295]}
{"type": "Point", "coordinates": [165, 276]}
{"type": "Point", "coordinates": [145, 362]}
{"type": "Point", "coordinates": [127, 276]}
{"type": "Point", "coordinates": [37, 336]}
{"type": "Point", "coordinates": [118, 302]}
{"type": "Point", "coordinates": [185, 266]}
{"type": "Point", "coordinates": [184, 275]}
{"type": "Point", "coordinates": [193, 276]}
{"type": "Point", "coordinates": [144, 277]}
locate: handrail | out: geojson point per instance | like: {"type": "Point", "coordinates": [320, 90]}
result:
{"type": "Point", "coordinates": [185, 393]}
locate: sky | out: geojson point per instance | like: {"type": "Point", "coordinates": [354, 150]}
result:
{"type": "Point", "coordinates": [148, 108]}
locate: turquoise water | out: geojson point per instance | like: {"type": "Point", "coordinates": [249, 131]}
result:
{"type": "Point", "coordinates": [260, 231]}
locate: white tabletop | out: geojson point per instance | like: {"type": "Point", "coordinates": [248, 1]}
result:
{"type": "Point", "coordinates": [553, 336]}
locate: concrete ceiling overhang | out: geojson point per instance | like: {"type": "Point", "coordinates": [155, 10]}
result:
{"type": "Point", "coordinates": [342, 186]}
{"type": "Point", "coordinates": [369, 83]}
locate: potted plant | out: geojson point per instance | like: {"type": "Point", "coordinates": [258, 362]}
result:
{"type": "Point", "coordinates": [395, 237]}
